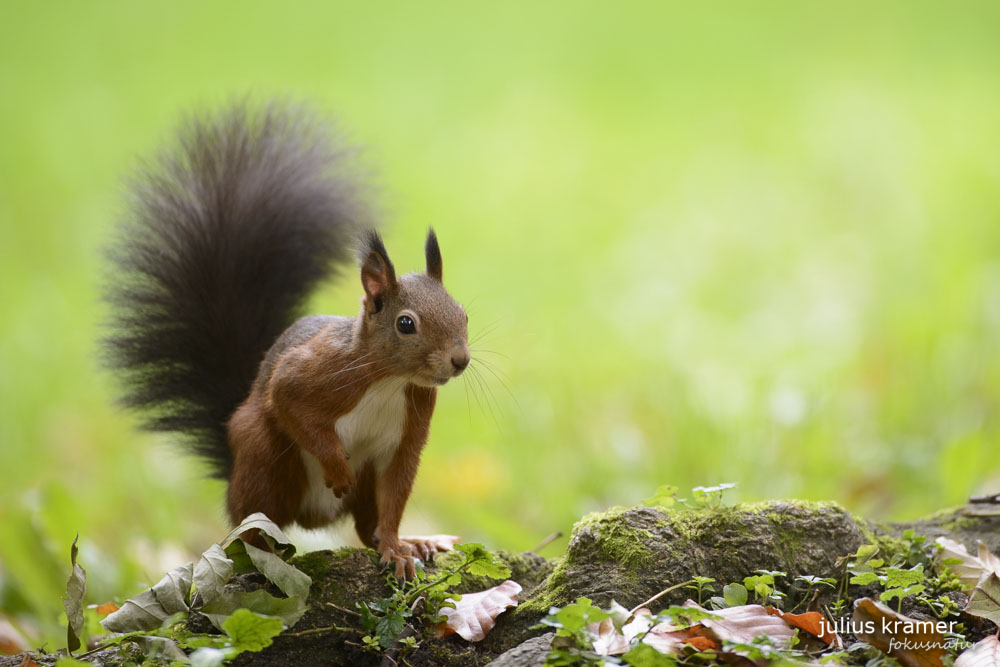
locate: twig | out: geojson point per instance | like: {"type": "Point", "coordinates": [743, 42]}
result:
{"type": "Point", "coordinates": [660, 595]}
{"type": "Point", "coordinates": [547, 541]}
{"type": "Point", "coordinates": [322, 630]}
{"type": "Point", "coordinates": [346, 611]}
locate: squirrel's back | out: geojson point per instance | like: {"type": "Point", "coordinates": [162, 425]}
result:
{"type": "Point", "coordinates": [227, 233]}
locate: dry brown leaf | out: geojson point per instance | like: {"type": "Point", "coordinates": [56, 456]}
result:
{"type": "Point", "coordinates": [744, 623]}
{"type": "Point", "coordinates": [914, 643]}
{"type": "Point", "coordinates": [11, 641]}
{"type": "Point", "coordinates": [985, 653]}
{"type": "Point", "coordinates": [701, 643]}
{"type": "Point", "coordinates": [475, 614]}
{"type": "Point", "coordinates": [811, 622]}
{"type": "Point", "coordinates": [972, 568]}
{"type": "Point", "coordinates": [26, 661]}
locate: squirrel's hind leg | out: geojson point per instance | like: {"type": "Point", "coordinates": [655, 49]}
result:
{"type": "Point", "coordinates": [268, 475]}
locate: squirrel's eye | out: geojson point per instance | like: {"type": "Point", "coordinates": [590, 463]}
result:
{"type": "Point", "coordinates": [405, 325]}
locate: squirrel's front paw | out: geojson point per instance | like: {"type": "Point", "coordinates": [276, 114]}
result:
{"type": "Point", "coordinates": [339, 477]}
{"type": "Point", "coordinates": [399, 556]}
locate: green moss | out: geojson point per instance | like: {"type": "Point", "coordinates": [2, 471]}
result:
{"type": "Point", "coordinates": [617, 541]}
{"type": "Point", "coordinates": [959, 523]}
{"type": "Point", "coordinates": [551, 593]}
{"type": "Point", "coordinates": [952, 520]}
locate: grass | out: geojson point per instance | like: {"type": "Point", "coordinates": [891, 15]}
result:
{"type": "Point", "coordinates": [755, 245]}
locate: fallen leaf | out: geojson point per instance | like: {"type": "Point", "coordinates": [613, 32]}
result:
{"type": "Point", "coordinates": [812, 622]}
{"type": "Point", "coordinates": [289, 610]}
{"type": "Point", "coordinates": [269, 532]}
{"type": "Point", "coordinates": [743, 624]}
{"type": "Point", "coordinates": [150, 608]}
{"type": "Point", "coordinates": [290, 580]}
{"type": "Point", "coordinates": [609, 640]}
{"type": "Point", "coordinates": [174, 590]}
{"type": "Point", "coordinates": [475, 614]}
{"type": "Point", "coordinates": [971, 568]}
{"type": "Point", "coordinates": [142, 612]}
{"type": "Point", "coordinates": [11, 641]}
{"type": "Point", "coordinates": [985, 653]}
{"type": "Point", "coordinates": [984, 601]}
{"type": "Point", "coordinates": [106, 608]}
{"type": "Point", "coordinates": [212, 573]}
{"type": "Point", "coordinates": [76, 588]}
{"type": "Point", "coordinates": [26, 661]}
{"type": "Point", "coordinates": [914, 643]}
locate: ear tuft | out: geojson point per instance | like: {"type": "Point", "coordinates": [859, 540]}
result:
{"type": "Point", "coordinates": [378, 276]}
{"type": "Point", "coordinates": [433, 254]}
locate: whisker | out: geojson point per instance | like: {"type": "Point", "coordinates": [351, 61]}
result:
{"type": "Point", "coordinates": [496, 372]}
{"type": "Point", "coordinates": [488, 396]}
{"type": "Point", "coordinates": [483, 350]}
{"type": "Point", "coordinates": [485, 331]}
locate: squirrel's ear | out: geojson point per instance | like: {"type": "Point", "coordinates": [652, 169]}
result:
{"type": "Point", "coordinates": [433, 254]}
{"type": "Point", "coordinates": [378, 276]}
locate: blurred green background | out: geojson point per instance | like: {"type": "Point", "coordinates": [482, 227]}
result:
{"type": "Point", "coordinates": [751, 242]}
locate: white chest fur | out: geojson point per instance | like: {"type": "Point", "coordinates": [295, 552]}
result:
{"type": "Point", "coordinates": [370, 433]}
{"type": "Point", "coordinates": [372, 430]}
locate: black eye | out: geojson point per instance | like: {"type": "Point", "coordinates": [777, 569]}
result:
{"type": "Point", "coordinates": [405, 325]}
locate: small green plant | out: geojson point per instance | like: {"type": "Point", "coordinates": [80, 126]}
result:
{"type": "Point", "coordinates": [709, 496]}
{"type": "Point", "coordinates": [811, 583]}
{"type": "Point", "coordinates": [701, 586]}
{"type": "Point", "coordinates": [573, 643]}
{"type": "Point", "coordinates": [838, 607]}
{"type": "Point", "coordinates": [384, 620]}
{"type": "Point", "coordinates": [763, 587]}
{"type": "Point", "coordinates": [702, 497]}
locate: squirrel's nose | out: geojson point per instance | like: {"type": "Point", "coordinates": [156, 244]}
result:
{"type": "Point", "coordinates": [459, 360]}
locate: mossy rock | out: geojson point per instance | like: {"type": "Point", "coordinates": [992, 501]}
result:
{"type": "Point", "coordinates": [629, 555]}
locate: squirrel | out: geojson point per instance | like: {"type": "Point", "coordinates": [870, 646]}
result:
{"type": "Point", "coordinates": [312, 418]}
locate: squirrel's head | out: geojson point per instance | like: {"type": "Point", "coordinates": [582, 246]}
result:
{"type": "Point", "coordinates": [412, 321]}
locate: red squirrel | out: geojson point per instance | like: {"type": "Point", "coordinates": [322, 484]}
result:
{"type": "Point", "coordinates": [309, 419]}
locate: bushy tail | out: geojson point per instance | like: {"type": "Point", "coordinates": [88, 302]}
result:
{"type": "Point", "coordinates": [228, 232]}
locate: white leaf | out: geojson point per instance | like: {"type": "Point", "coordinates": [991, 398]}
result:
{"type": "Point", "coordinates": [475, 614]}
{"type": "Point", "coordinates": [985, 653]}
{"type": "Point", "coordinates": [972, 568]}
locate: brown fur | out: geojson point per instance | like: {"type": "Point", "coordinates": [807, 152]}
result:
{"type": "Point", "coordinates": [316, 373]}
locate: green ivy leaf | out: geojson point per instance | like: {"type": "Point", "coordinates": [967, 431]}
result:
{"type": "Point", "coordinates": [481, 562]}
{"type": "Point", "coordinates": [864, 578]}
{"type": "Point", "coordinates": [735, 595]}
{"type": "Point", "coordinates": [896, 577]}
{"type": "Point", "coordinates": [665, 496]}
{"type": "Point", "coordinates": [251, 632]}
{"type": "Point", "coordinates": [388, 628]}
{"type": "Point", "coordinates": [578, 615]}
